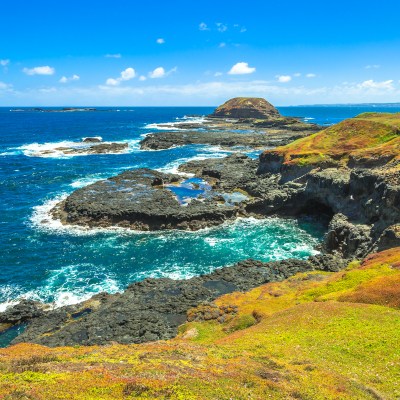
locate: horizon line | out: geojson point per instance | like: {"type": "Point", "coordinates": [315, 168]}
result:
{"type": "Point", "coordinates": [198, 106]}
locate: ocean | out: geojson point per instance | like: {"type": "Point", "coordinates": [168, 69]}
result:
{"type": "Point", "coordinates": [42, 260]}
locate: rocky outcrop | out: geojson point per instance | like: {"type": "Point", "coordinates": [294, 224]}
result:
{"type": "Point", "coordinates": [224, 139]}
{"type": "Point", "coordinates": [390, 238]}
{"type": "Point", "coordinates": [144, 199]}
{"type": "Point", "coordinates": [90, 145]}
{"type": "Point", "coordinates": [94, 139]}
{"type": "Point", "coordinates": [154, 308]}
{"type": "Point", "coordinates": [246, 107]}
{"type": "Point", "coordinates": [351, 169]}
{"type": "Point", "coordinates": [24, 311]}
{"type": "Point", "coordinates": [100, 148]}
{"type": "Point", "coordinates": [347, 239]}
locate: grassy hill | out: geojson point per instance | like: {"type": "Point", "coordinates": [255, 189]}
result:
{"type": "Point", "coordinates": [314, 336]}
{"type": "Point", "coordinates": [368, 136]}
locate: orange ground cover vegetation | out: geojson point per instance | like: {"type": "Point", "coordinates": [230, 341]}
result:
{"type": "Point", "coordinates": [316, 335]}
{"type": "Point", "coordinates": [370, 135]}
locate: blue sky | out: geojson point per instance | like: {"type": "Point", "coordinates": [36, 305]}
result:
{"type": "Point", "coordinates": [198, 53]}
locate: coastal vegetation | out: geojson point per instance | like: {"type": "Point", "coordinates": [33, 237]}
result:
{"type": "Point", "coordinates": [316, 335]}
{"type": "Point", "coordinates": [367, 136]}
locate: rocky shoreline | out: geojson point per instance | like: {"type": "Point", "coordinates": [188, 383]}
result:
{"type": "Point", "coordinates": [322, 174]}
{"type": "Point", "coordinates": [228, 133]}
{"type": "Point", "coordinates": [151, 309]}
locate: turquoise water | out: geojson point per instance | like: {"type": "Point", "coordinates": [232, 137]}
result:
{"type": "Point", "coordinates": [40, 259]}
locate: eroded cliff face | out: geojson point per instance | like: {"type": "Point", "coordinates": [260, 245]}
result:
{"type": "Point", "coordinates": [351, 169]}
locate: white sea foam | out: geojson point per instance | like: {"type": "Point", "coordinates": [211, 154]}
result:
{"type": "Point", "coordinates": [204, 154]}
{"type": "Point", "coordinates": [66, 286]}
{"type": "Point", "coordinates": [52, 149]}
{"type": "Point", "coordinates": [75, 283]}
{"type": "Point", "coordinates": [11, 294]}
{"type": "Point", "coordinates": [10, 153]}
{"type": "Point", "coordinates": [88, 180]}
{"type": "Point", "coordinates": [176, 125]}
{"type": "Point", "coordinates": [175, 271]}
{"type": "Point", "coordinates": [42, 219]}
{"type": "Point", "coordinates": [79, 277]}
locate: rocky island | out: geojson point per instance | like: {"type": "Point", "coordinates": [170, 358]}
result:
{"type": "Point", "coordinates": [242, 121]}
{"type": "Point", "coordinates": [89, 145]}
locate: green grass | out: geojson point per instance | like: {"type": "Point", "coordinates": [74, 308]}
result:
{"type": "Point", "coordinates": [302, 338]}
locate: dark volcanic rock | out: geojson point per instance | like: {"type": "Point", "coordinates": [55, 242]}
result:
{"type": "Point", "coordinates": [23, 311]}
{"type": "Point", "coordinates": [141, 199]}
{"type": "Point", "coordinates": [236, 171]}
{"type": "Point", "coordinates": [154, 308]}
{"type": "Point", "coordinates": [95, 148]}
{"type": "Point", "coordinates": [366, 199]}
{"type": "Point", "coordinates": [348, 239]}
{"type": "Point", "coordinates": [390, 238]}
{"type": "Point", "coordinates": [91, 140]}
{"type": "Point", "coordinates": [225, 139]}
{"type": "Point", "coordinates": [246, 107]}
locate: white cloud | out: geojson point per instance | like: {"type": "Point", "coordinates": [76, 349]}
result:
{"type": "Point", "coordinates": [4, 63]}
{"type": "Point", "coordinates": [221, 27]}
{"type": "Point", "coordinates": [74, 77]}
{"type": "Point", "coordinates": [118, 55]}
{"type": "Point", "coordinates": [45, 70]}
{"type": "Point", "coordinates": [297, 74]}
{"type": "Point", "coordinates": [284, 78]}
{"type": "Point", "coordinates": [311, 75]}
{"type": "Point", "coordinates": [243, 29]}
{"type": "Point", "coordinates": [203, 26]}
{"type": "Point", "coordinates": [222, 44]}
{"type": "Point", "coordinates": [126, 75]}
{"type": "Point", "coordinates": [160, 72]}
{"type": "Point", "coordinates": [142, 78]}
{"type": "Point", "coordinates": [241, 68]}
{"type": "Point", "coordinates": [157, 73]}
{"type": "Point", "coordinates": [374, 66]}
{"type": "Point", "coordinates": [160, 41]}
{"type": "Point", "coordinates": [218, 74]}
{"type": "Point", "coordinates": [112, 82]}
{"type": "Point", "coordinates": [371, 84]}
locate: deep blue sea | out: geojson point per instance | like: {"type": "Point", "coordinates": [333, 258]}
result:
{"type": "Point", "coordinates": [40, 259]}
